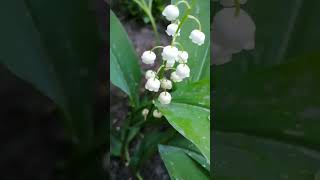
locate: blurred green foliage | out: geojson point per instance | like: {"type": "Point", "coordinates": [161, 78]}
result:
{"type": "Point", "coordinates": [129, 9]}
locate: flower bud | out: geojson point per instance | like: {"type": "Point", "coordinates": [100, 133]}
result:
{"type": "Point", "coordinates": [157, 114]}
{"type": "Point", "coordinates": [164, 98]}
{"type": "Point", "coordinates": [171, 12]}
{"type": "Point", "coordinates": [145, 112]}
{"type": "Point", "coordinates": [166, 84]}
{"type": "Point", "coordinates": [153, 84]}
{"type": "Point", "coordinates": [175, 78]}
{"type": "Point", "coordinates": [183, 57]}
{"type": "Point", "coordinates": [229, 3]}
{"type": "Point", "coordinates": [197, 37]}
{"type": "Point", "coordinates": [150, 74]}
{"type": "Point", "coordinates": [172, 28]}
{"type": "Point", "coordinates": [183, 71]}
{"type": "Point", "coordinates": [148, 57]}
{"type": "Point", "coordinates": [170, 53]}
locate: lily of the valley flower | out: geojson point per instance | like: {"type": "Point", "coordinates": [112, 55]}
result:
{"type": "Point", "coordinates": [170, 53]}
{"type": "Point", "coordinates": [231, 33]}
{"type": "Point", "coordinates": [157, 114]}
{"type": "Point", "coordinates": [183, 57]}
{"type": "Point", "coordinates": [153, 84]}
{"type": "Point", "coordinates": [165, 83]}
{"type": "Point", "coordinates": [164, 98]}
{"type": "Point", "coordinates": [150, 74]}
{"type": "Point", "coordinates": [148, 57]}
{"type": "Point", "coordinates": [175, 78]}
{"type": "Point", "coordinates": [145, 112]}
{"type": "Point", "coordinates": [172, 28]}
{"type": "Point", "coordinates": [197, 37]}
{"type": "Point", "coordinates": [171, 12]}
{"type": "Point", "coordinates": [183, 71]}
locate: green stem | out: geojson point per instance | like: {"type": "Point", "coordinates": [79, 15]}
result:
{"type": "Point", "coordinates": [185, 2]}
{"type": "Point", "coordinates": [179, 44]}
{"type": "Point", "coordinates": [196, 19]}
{"type": "Point", "coordinates": [237, 3]}
{"type": "Point", "coordinates": [156, 47]}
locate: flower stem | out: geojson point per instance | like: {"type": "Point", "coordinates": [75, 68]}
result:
{"type": "Point", "coordinates": [156, 47]}
{"type": "Point", "coordinates": [196, 19]}
{"type": "Point", "coordinates": [179, 44]}
{"type": "Point", "coordinates": [185, 2]}
{"type": "Point", "coordinates": [237, 3]}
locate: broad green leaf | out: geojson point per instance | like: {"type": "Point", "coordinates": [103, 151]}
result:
{"type": "Point", "coordinates": [124, 66]}
{"type": "Point", "coordinates": [189, 114]}
{"type": "Point", "coordinates": [243, 157]}
{"type": "Point", "coordinates": [54, 45]}
{"type": "Point", "coordinates": [190, 149]}
{"type": "Point", "coordinates": [281, 102]}
{"type": "Point", "coordinates": [199, 56]}
{"type": "Point", "coordinates": [180, 165]}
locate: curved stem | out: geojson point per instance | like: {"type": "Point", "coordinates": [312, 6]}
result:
{"type": "Point", "coordinates": [179, 44]}
{"type": "Point", "coordinates": [196, 19]}
{"type": "Point", "coordinates": [185, 2]}
{"type": "Point", "coordinates": [156, 47]}
{"type": "Point", "coordinates": [160, 69]}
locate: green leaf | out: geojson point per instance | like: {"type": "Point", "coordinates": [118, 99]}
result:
{"type": "Point", "coordinates": [189, 114]}
{"type": "Point", "coordinates": [124, 67]}
{"type": "Point", "coordinates": [180, 165]}
{"type": "Point", "coordinates": [281, 102]}
{"type": "Point", "coordinates": [243, 157]}
{"type": "Point", "coordinates": [199, 56]}
{"type": "Point", "coordinates": [57, 53]}
{"type": "Point", "coordinates": [190, 150]}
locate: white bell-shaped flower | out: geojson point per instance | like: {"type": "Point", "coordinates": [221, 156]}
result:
{"type": "Point", "coordinates": [157, 114]}
{"type": "Point", "coordinates": [165, 83]}
{"type": "Point", "coordinates": [233, 32]}
{"type": "Point", "coordinates": [174, 77]}
{"type": "Point", "coordinates": [183, 57]}
{"type": "Point", "coordinates": [150, 74]}
{"type": "Point", "coordinates": [197, 37]}
{"type": "Point", "coordinates": [183, 71]}
{"type": "Point", "coordinates": [170, 53]}
{"type": "Point", "coordinates": [170, 64]}
{"type": "Point", "coordinates": [172, 29]}
{"type": "Point", "coordinates": [164, 98]}
{"type": "Point", "coordinates": [171, 12]}
{"type": "Point", "coordinates": [229, 3]}
{"type": "Point", "coordinates": [145, 112]}
{"type": "Point", "coordinates": [153, 84]}
{"type": "Point", "coordinates": [148, 57]}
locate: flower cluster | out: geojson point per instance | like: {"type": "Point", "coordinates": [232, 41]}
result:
{"type": "Point", "coordinates": [174, 60]}
{"type": "Point", "coordinates": [233, 31]}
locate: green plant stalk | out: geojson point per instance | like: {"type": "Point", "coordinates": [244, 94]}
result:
{"type": "Point", "coordinates": [148, 10]}
{"type": "Point", "coordinates": [237, 3]}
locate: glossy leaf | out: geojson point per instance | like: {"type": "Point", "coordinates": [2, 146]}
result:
{"type": "Point", "coordinates": [124, 67]}
{"type": "Point", "coordinates": [189, 114]}
{"type": "Point", "coordinates": [180, 165]}
{"type": "Point", "coordinates": [240, 157]}
{"type": "Point", "coordinates": [57, 53]}
{"type": "Point", "coordinates": [199, 56]}
{"type": "Point", "coordinates": [191, 150]}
